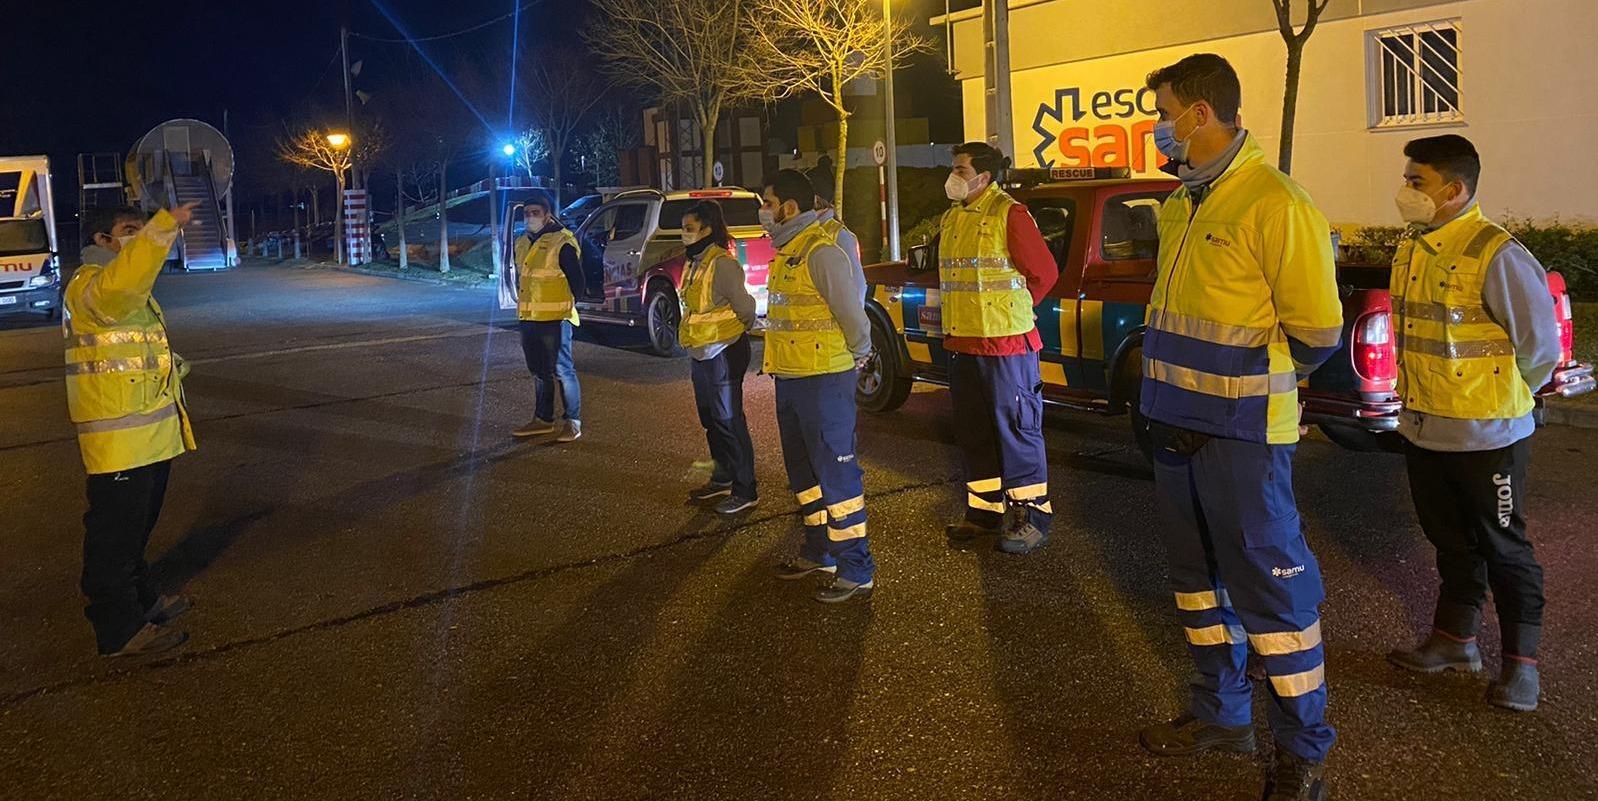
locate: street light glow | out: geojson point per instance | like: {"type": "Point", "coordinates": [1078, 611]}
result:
{"type": "Point", "coordinates": [509, 149]}
{"type": "Point", "coordinates": [338, 140]}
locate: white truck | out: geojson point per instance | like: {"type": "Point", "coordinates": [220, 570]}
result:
{"type": "Point", "coordinates": [30, 267]}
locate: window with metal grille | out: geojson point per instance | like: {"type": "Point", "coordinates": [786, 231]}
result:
{"type": "Point", "coordinates": [1414, 73]}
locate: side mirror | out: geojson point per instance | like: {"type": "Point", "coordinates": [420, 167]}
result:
{"type": "Point", "coordinates": [923, 257]}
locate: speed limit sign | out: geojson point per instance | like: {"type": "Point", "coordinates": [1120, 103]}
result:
{"type": "Point", "coordinates": [718, 172]}
{"type": "Point", "coordinates": [879, 151]}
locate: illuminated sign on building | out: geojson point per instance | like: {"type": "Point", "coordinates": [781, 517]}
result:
{"type": "Point", "coordinates": [1102, 129]}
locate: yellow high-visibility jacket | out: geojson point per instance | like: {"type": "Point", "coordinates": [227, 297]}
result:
{"type": "Point", "coordinates": [704, 322]}
{"type": "Point", "coordinates": [982, 293]}
{"type": "Point", "coordinates": [542, 292]}
{"type": "Point", "coordinates": [802, 336]}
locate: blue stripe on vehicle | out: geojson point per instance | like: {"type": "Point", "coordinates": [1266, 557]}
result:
{"type": "Point", "coordinates": [1049, 322]}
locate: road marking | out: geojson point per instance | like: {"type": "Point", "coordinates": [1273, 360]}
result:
{"type": "Point", "coordinates": [365, 343]}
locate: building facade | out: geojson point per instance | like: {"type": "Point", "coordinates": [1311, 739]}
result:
{"type": "Point", "coordinates": [1511, 75]}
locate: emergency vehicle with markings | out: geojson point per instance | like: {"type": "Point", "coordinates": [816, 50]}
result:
{"type": "Point", "coordinates": [30, 267]}
{"type": "Point", "coordinates": [1100, 226]}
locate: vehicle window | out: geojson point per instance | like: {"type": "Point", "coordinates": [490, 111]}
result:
{"type": "Point", "coordinates": [23, 236]}
{"type": "Point", "coordinates": [1056, 218]}
{"type": "Point", "coordinates": [1128, 229]}
{"type": "Point", "coordinates": [629, 221]}
{"type": "Point", "coordinates": [737, 210]}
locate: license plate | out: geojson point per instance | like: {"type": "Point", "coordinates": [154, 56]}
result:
{"type": "Point", "coordinates": [8, 300]}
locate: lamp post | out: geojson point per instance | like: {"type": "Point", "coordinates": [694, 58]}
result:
{"type": "Point", "coordinates": [891, 137]}
{"type": "Point", "coordinates": [508, 150]}
{"type": "Point", "coordinates": [340, 142]}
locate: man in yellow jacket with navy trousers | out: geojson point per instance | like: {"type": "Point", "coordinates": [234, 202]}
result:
{"type": "Point", "coordinates": [817, 336]}
{"type": "Point", "coordinates": [125, 396]}
{"type": "Point", "coordinates": [549, 278]}
{"type": "Point", "coordinates": [1245, 305]}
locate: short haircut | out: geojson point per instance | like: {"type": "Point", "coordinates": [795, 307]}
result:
{"type": "Point", "coordinates": [540, 200]}
{"type": "Point", "coordinates": [822, 181]}
{"type": "Point", "coordinates": [102, 220]}
{"type": "Point", "coordinates": [792, 185]}
{"type": "Point", "coordinates": [1206, 77]}
{"type": "Point", "coordinates": [984, 158]}
{"type": "Point", "coordinates": [1450, 154]}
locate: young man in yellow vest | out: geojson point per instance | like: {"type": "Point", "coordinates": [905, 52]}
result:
{"type": "Point", "coordinates": [548, 279]}
{"type": "Point", "coordinates": [817, 336]}
{"type": "Point", "coordinates": [125, 395]}
{"type": "Point", "coordinates": [1244, 305]}
{"type": "Point", "coordinates": [1476, 336]}
{"type": "Point", "coordinates": [993, 267]}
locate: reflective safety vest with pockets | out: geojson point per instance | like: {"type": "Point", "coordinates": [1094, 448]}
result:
{"type": "Point", "coordinates": [124, 390]}
{"type": "Point", "coordinates": [982, 293]}
{"type": "Point", "coordinates": [1453, 360]}
{"type": "Point", "coordinates": [542, 293]}
{"type": "Point", "coordinates": [802, 336]}
{"type": "Point", "coordinates": [704, 322]}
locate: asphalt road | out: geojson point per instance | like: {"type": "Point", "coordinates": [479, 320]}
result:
{"type": "Point", "coordinates": [396, 600]}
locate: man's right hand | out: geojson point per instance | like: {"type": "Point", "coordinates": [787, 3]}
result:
{"type": "Point", "coordinates": [183, 213]}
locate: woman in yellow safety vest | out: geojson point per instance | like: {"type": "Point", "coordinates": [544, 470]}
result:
{"type": "Point", "coordinates": [717, 314]}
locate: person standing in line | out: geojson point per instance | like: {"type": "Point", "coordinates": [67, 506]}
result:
{"type": "Point", "coordinates": [1245, 305]}
{"type": "Point", "coordinates": [718, 312]}
{"type": "Point", "coordinates": [125, 396]}
{"type": "Point", "coordinates": [993, 268]}
{"type": "Point", "coordinates": [817, 338]}
{"type": "Point", "coordinates": [1476, 337]}
{"type": "Point", "coordinates": [549, 277]}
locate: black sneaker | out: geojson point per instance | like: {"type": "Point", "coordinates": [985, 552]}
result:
{"type": "Point", "coordinates": [1294, 778]}
{"type": "Point", "coordinates": [1022, 538]}
{"type": "Point", "coordinates": [151, 639]}
{"type": "Point", "coordinates": [965, 533]}
{"type": "Point", "coordinates": [732, 504]}
{"type": "Point", "coordinates": [1188, 735]}
{"type": "Point", "coordinates": [711, 490]}
{"type": "Point", "coordinates": [842, 589]}
{"type": "Point", "coordinates": [799, 567]}
{"type": "Point", "coordinates": [166, 609]}
{"type": "Point", "coordinates": [1439, 653]}
{"type": "Point", "coordinates": [1517, 687]}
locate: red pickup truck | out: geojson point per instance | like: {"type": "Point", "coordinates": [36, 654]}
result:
{"type": "Point", "coordinates": [1101, 227]}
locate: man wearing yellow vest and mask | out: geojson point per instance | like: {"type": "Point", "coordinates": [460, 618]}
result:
{"type": "Point", "coordinates": [1244, 305]}
{"type": "Point", "coordinates": [124, 394]}
{"type": "Point", "coordinates": [993, 267]}
{"type": "Point", "coordinates": [817, 336]}
{"type": "Point", "coordinates": [549, 277]}
{"type": "Point", "coordinates": [1476, 335]}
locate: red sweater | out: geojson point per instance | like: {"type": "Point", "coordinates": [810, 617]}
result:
{"type": "Point", "coordinates": [1031, 257]}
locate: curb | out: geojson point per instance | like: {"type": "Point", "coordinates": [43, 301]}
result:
{"type": "Point", "coordinates": [1571, 414]}
{"type": "Point", "coordinates": [415, 279]}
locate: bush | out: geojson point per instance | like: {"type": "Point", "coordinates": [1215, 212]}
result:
{"type": "Point", "coordinates": [1571, 250]}
{"type": "Point", "coordinates": [921, 199]}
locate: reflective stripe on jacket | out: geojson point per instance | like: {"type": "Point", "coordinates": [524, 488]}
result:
{"type": "Point", "coordinates": [802, 336]}
{"type": "Point", "coordinates": [704, 322]}
{"type": "Point", "coordinates": [982, 293]}
{"type": "Point", "coordinates": [1453, 358]}
{"type": "Point", "coordinates": [542, 292]}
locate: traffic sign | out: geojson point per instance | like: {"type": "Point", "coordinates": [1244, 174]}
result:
{"type": "Point", "coordinates": [879, 151]}
{"type": "Point", "coordinates": [718, 172]}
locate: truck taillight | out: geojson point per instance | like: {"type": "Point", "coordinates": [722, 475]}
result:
{"type": "Point", "coordinates": [1373, 347]}
{"type": "Point", "coordinates": [1562, 315]}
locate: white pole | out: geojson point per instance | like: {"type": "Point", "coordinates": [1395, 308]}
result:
{"type": "Point", "coordinates": [996, 75]}
{"type": "Point", "coordinates": [892, 215]}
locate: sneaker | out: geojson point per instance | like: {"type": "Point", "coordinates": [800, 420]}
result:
{"type": "Point", "coordinates": [166, 609]}
{"type": "Point", "coordinates": [571, 432]}
{"type": "Point", "coordinates": [1517, 687]}
{"type": "Point", "coordinates": [1022, 538]}
{"type": "Point", "coordinates": [1293, 778]}
{"type": "Point", "coordinates": [1188, 735]}
{"type": "Point", "coordinates": [1439, 653]}
{"type": "Point", "coordinates": [535, 428]}
{"type": "Point", "coordinates": [152, 639]}
{"type": "Point", "coordinates": [842, 589]}
{"type": "Point", "coordinates": [799, 567]}
{"type": "Point", "coordinates": [965, 533]}
{"type": "Point", "coordinates": [711, 490]}
{"type": "Point", "coordinates": [733, 504]}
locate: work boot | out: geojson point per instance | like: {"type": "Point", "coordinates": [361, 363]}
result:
{"type": "Point", "coordinates": [710, 491]}
{"type": "Point", "coordinates": [964, 534]}
{"type": "Point", "coordinates": [1294, 778]}
{"type": "Point", "coordinates": [534, 428]}
{"type": "Point", "coordinates": [1438, 653]}
{"type": "Point", "coordinates": [166, 609]}
{"type": "Point", "coordinates": [732, 504]}
{"type": "Point", "coordinates": [1022, 538]}
{"type": "Point", "coordinates": [842, 589]}
{"type": "Point", "coordinates": [571, 432]}
{"type": "Point", "coordinates": [151, 639]}
{"type": "Point", "coordinates": [1517, 687]}
{"type": "Point", "coordinates": [799, 567]}
{"type": "Point", "coordinates": [1188, 735]}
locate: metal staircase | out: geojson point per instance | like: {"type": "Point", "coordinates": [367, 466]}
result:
{"type": "Point", "coordinates": [204, 239]}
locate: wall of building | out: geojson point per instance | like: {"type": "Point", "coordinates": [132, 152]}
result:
{"type": "Point", "coordinates": [1526, 99]}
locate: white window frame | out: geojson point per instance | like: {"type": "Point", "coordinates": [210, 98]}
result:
{"type": "Point", "coordinates": [1410, 79]}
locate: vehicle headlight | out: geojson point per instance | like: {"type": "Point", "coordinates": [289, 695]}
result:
{"type": "Point", "coordinates": [41, 280]}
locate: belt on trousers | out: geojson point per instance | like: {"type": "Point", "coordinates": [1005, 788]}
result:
{"type": "Point", "coordinates": [1177, 441]}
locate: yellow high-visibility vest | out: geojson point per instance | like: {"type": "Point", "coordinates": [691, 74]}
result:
{"type": "Point", "coordinates": [543, 294]}
{"type": "Point", "coordinates": [1453, 360]}
{"type": "Point", "coordinates": [704, 322]}
{"type": "Point", "coordinates": [802, 336]}
{"type": "Point", "coordinates": [981, 292]}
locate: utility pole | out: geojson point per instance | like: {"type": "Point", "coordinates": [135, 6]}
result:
{"type": "Point", "coordinates": [232, 238]}
{"type": "Point", "coordinates": [996, 74]}
{"type": "Point", "coordinates": [892, 137]}
{"type": "Point", "coordinates": [349, 106]}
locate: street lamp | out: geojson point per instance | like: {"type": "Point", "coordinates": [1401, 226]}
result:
{"type": "Point", "coordinates": [508, 149]}
{"type": "Point", "coordinates": [339, 141]}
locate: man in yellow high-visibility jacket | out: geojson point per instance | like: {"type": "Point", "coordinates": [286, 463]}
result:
{"type": "Point", "coordinates": [549, 281]}
{"type": "Point", "coordinates": [125, 395]}
{"type": "Point", "coordinates": [1476, 336]}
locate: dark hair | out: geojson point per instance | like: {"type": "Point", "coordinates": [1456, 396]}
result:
{"type": "Point", "coordinates": [540, 200]}
{"type": "Point", "coordinates": [984, 158]}
{"type": "Point", "coordinates": [1206, 77]}
{"type": "Point", "coordinates": [821, 179]}
{"type": "Point", "coordinates": [792, 185]}
{"type": "Point", "coordinates": [102, 220]}
{"type": "Point", "coordinates": [708, 213]}
{"type": "Point", "coordinates": [1450, 154]}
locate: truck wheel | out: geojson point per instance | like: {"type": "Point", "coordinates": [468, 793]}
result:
{"type": "Point", "coordinates": [662, 317]}
{"type": "Point", "coordinates": [1129, 386]}
{"type": "Point", "coordinates": [1362, 441]}
{"type": "Point", "coordinates": [882, 385]}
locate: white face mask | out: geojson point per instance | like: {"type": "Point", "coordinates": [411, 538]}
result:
{"type": "Point", "coordinates": [956, 188]}
{"type": "Point", "coordinates": [768, 219]}
{"type": "Point", "coordinates": [1415, 206]}
{"type": "Point", "coordinates": [689, 239]}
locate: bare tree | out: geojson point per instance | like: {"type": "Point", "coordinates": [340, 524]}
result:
{"type": "Point", "coordinates": [311, 148]}
{"type": "Point", "coordinates": [819, 46]}
{"type": "Point", "coordinates": [1295, 62]}
{"type": "Point", "coordinates": [560, 93]}
{"type": "Point", "coordinates": [690, 52]}
{"type": "Point", "coordinates": [616, 127]}
{"type": "Point", "coordinates": [532, 147]}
